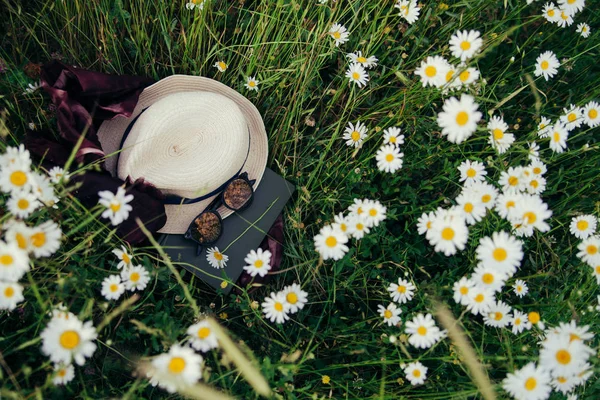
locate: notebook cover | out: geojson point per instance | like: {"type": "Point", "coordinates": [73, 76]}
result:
{"type": "Point", "coordinates": [242, 232]}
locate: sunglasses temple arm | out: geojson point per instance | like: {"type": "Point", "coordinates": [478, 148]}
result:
{"type": "Point", "coordinates": [198, 250]}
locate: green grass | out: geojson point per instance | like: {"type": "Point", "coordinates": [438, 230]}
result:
{"type": "Point", "coordinates": [340, 333]}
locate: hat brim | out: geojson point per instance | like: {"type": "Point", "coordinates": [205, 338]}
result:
{"type": "Point", "coordinates": [179, 216]}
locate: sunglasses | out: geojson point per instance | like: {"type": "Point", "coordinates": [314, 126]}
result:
{"type": "Point", "coordinates": [207, 227]}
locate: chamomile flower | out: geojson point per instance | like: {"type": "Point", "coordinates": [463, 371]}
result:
{"type": "Point", "coordinates": [355, 134]}
{"type": "Point", "coordinates": [358, 58]}
{"type": "Point", "coordinates": [124, 257]}
{"type": "Point", "coordinates": [359, 227]}
{"type": "Point", "coordinates": [535, 184]}
{"type": "Point", "coordinates": [583, 29]}
{"type": "Point", "coordinates": [480, 299]}
{"type": "Point", "coordinates": [558, 138]}
{"type": "Point", "coordinates": [467, 75]}
{"type": "Point", "coordinates": [135, 277]}
{"type": "Point", "coordinates": [390, 313]}
{"type": "Point", "coordinates": [215, 258]}
{"type": "Point", "coordinates": [533, 152]}
{"type": "Point", "coordinates": [43, 189]}
{"type": "Point", "coordinates": [564, 384]}
{"type": "Point", "coordinates": [596, 272]}
{"type": "Point", "coordinates": [68, 339]}
{"type": "Point", "coordinates": [295, 297]}
{"type": "Point", "coordinates": [11, 294]}
{"type": "Point", "coordinates": [565, 19]}
{"type": "Point", "coordinates": [409, 10]}
{"type": "Point", "coordinates": [392, 135]}
{"type": "Point", "coordinates": [358, 207]}
{"type": "Point", "coordinates": [572, 7]}
{"type": "Point", "coordinates": [572, 117]}
{"type": "Point", "coordinates": [425, 222]}
{"type": "Point", "coordinates": [591, 114]}
{"type": "Point", "coordinates": [58, 174]}
{"type": "Point", "coordinates": [357, 74]}
{"type": "Point", "coordinates": [15, 155]}
{"type": "Point", "coordinates": [528, 383]}
{"type": "Point", "coordinates": [535, 319]}
{"type": "Point", "coordinates": [112, 287]}
{"type": "Point", "coordinates": [402, 292]}
{"type": "Point", "coordinates": [202, 337]}
{"type": "Point", "coordinates": [512, 180]}
{"type": "Point", "coordinates": [471, 172]}
{"type": "Point", "coordinates": [501, 252]}
{"type": "Point", "coordinates": [563, 356]}
{"type": "Point", "coordinates": [489, 278]}
{"type": "Point", "coordinates": [221, 66]}
{"type": "Point", "coordinates": [519, 322]}
{"type": "Point", "coordinates": [195, 4]}
{"type": "Point", "coordinates": [416, 373]}
{"type": "Point", "coordinates": [505, 203]}
{"type": "Point", "coordinates": [389, 158]}
{"type": "Point", "coordinates": [520, 288]}
{"type": "Point", "coordinates": [343, 223]}
{"type": "Point", "coordinates": [551, 12]}
{"type": "Point", "coordinates": [258, 262]}
{"type": "Point", "coordinates": [331, 243]}
{"type": "Point", "coordinates": [14, 262]}
{"type": "Point", "coordinates": [530, 213]}
{"type": "Point", "coordinates": [180, 368]}
{"type": "Point", "coordinates": [544, 128]}
{"type": "Point", "coordinates": [116, 205]}
{"type": "Point", "coordinates": [589, 250]}
{"type": "Point", "coordinates": [63, 374]}
{"type": "Point", "coordinates": [498, 315]}
{"type": "Point", "coordinates": [448, 233]}
{"type": "Point", "coordinates": [575, 332]}
{"type": "Point", "coordinates": [433, 71]}
{"type": "Point", "coordinates": [339, 33]}
{"type": "Point", "coordinates": [45, 239]}
{"type": "Point", "coordinates": [461, 290]}
{"type": "Point", "coordinates": [423, 331]}
{"type": "Point", "coordinates": [546, 65]}
{"type": "Point", "coordinates": [487, 193]}
{"type": "Point", "coordinates": [22, 203]}
{"type": "Point", "coordinates": [465, 44]}
{"type": "Point", "coordinates": [583, 226]}
{"type": "Point", "coordinates": [16, 177]}
{"type": "Point", "coordinates": [251, 83]}
{"type": "Point", "coordinates": [276, 308]}
{"type": "Point", "coordinates": [459, 118]}
{"type": "Point", "coordinates": [499, 138]}
{"type": "Point", "coordinates": [470, 206]}
{"type": "Point", "coordinates": [375, 213]}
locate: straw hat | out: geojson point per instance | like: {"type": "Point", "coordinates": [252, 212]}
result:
{"type": "Point", "coordinates": [188, 136]}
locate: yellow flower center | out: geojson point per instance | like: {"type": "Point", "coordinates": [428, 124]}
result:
{"type": "Point", "coordinates": [134, 277]}
{"type": "Point", "coordinates": [372, 212]}
{"type": "Point", "coordinates": [401, 289]}
{"type": "Point", "coordinates": [464, 76]}
{"type": "Point", "coordinates": [465, 45]}
{"type": "Point", "coordinates": [563, 357]}
{"type": "Point", "coordinates": [416, 373]}
{"type": "Point", "coordinates": [486, 198]}
{"type": "Point", "coordinates": [556, 137]}
{"type": "Point", "coordinates": [360, 226]}
{"type": "Point", "coordinates": [447, 233]}
{"type": "Point", "coordinates": [9, 292]}
{"type": "Point", "coordinates": [561, 379]}
{"type": "Point", "coordinates": [464, 290]}
{"type": "Point", "coordinates": [126, 258]}
{"type": "Point", "coordinates": [564, 16]}
{"type": "Point", "coordinates": [114, 287]}
{"type": "Point", "coordinates": [479, 298]}
{"type": "Point", "coordinates": [534, 184]}
{"type": "Point", "coordinates": [252, 84]}
{"type": "Point", "coordinates": [462, 118]}
{"type": "Point", "coordinates": [582, 225]}
{"type": "Point", "coordinates": [291, 298]}
{"type": "Point", "coordinates": [422, 330]}
{"type": "Point", "coordinates": [387, 314]}
{"type": "Point", "coordinates": [534, 317]}
{"type": "Point", "coordinates": [571, 117]}
{"type": "Point", "coordinates": [449, 75]}
{"type": "Point", "coordinates": [430, 71]}
{"type": "Point", "coordinates": [389, 158]}
{"type": "Point", "coordinates": [518, 321]}
{"type": "Point", "coordinates": [6, 260]}
{"type": "Point", "coordinates": [499, 254]}
{"type": "Point", "coordinates": [18, 178]}
{"type": "Point", "coordinates": [38, 239]}
{"type": "Point", "coordinates": [544, 65]}
{"type": "Point", "coordinates": [498, 315]}
{"type": "Point", "coordinates": [355, 76]}
{"type": "Point", "coordinates": [468, 207]}
{"type": "Point", "coordinates": [203, 332]}
{"type": "Point", "coordinates": [573, 336]}
{"type": "Point", "coordinates": [392, 139]}
{"type": "Point", "coordinates": [176, 365]}
{"type": "Point", "coordinates": [551, 13]}
{"type": "Point", "coordinates": [218, 256]}
{"type": "Point", "coordinates": [69, 339]}
{"type": "Point", "coordinates": [510, 204]}
{"type": "Point", "coordinates": [361, 59]}
{"type": "Point", "coordinates": [337, 35]}
{"type": "Point", "coordinates": [278, 306]}
{"type": "Point", "coordinates": [21, 241]}
{"type": "Point", "coordinates": [529, 217]}
{"type": "Point", "coordinates": [355, 135]}
{"type": "Point", "coordinates": [258, 263]}
{"type": "Point", "coordinates": [331, 241]}
{"type": "Point", "coordinates": [471, 173]}
{"type": "Point", "coordinates": [513, 181]}
{"type": "Point", "coordinates": [498, 134]}
{"type": "Point", "coordinates": [23, 204]}
{"type": "Point", "coordinates": [343, 227]}
{"type": "Point", "coordinates": [530, 384]}
{"type": "Point", "coordinates": [591, 249]}
{"type": "Point", "coordinates": [62, 373]}
{"type": "Point", "coordinates": [428, 225]}
{"type": "Point", "coordinates": [487, 278]}
{"type": "Point", "coordinates": [593, 113]}
{"type": "Point", "coordinates": [222, 65]}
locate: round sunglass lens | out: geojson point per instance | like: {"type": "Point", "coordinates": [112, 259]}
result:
{"type": "Point", "coordinates": [237, 194]}
{"type": "Point", "coordinates": [207, 227]}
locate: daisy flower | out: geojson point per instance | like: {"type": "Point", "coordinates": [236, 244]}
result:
{"type": "Point", "coordinates": [571, 7]}
{"type": "Point", "coordinates": [499, 138]}
{"type": "Point", "coordinates": [392, 135]}
{"type": "Point", "coordinates": [461, 290]}
{"type": "Point", "coordinates": [472, 171]}
{"type": "Point", "coordinates": [563, 356]}
{"type": "Point", "coordinates": [596, 272]}
{"type": "Point", "coordinates": [520, 288]}
{"type": "Point", "coordinates": [534, 151]}
{"type": "Point", "coordinates": [498, 315]}
{"type": "Point", "coordinates": [530, 213]}
{"type": "Point", "coordinates": [390, 313]}
{"type": "Point", "coordinates": [583, 226]}
{"type": "Point", "coordinates": [519, 322]}
{"type": "Point", "coordinates": [355, 134]}
{"type": "Point", "coordinates": [572, 118]}
{"type": "Point", "coordinates": [357, 74]}
{"type": "Point", "coordinates": [16, 177]}
{"type": "Point", "coordinates": [180, 368]}
{"type": "Point", "coordinates": [68, 339]}
{"type": "Point", "coordinates": [591, 114]}
{"type": "Point", "coordinates": [528, 383]}
{"type": "Point", "coordinates": [135, 277]}
{"type": "Point", "coordinates": [358, 207]}
{"type": "Point", "coordinates": [57, 174]}
{"type": "Point", "coordinates": [551, 13]}
{"type": "Point", "coordinates": [215, 258]}
{"type": "Point", "coordinates": [544, 128]}
{"type": "Point", "coordinates": [112, 287]}
{"type": "Point", "coordinates": [448, 233]}
{"type": "Point", "coordinates": [512, 180]}
{"type": "Point", "coordinates": [433, 71]}
{"type": "Point", "coordinates": [295, 297]}
{"type": "Point", "coordinates": [202, 337]}
{"type": "Point", "coordinates": [465, 44]}
{"type": "Point", "coordinates": [505, 203]}
{"type": "Point", "coordinates": [22, 203]}
{"type": "Point", "coordinates": [470, 206]}
{"type": "Point", "coordinates": [538, 167]}
{"type": "Point", "coordinates": [589, 250]}
{"type": "Point", "coordinates": [423, 331]}
{"type": "Point", "coordinates": [276, 308]}
{"type": "Point", "coordinates": [251, 83]}
{"type": "Point", "coordinates": [15, 155]}
{"type": "Point", "coordinates": [358, 58]}
{"type": "Point", "coordinates": [459, 118]}
{"type": "Point", "coordinates": [409, 10]}
{"type": "Point", "coordinates": [343, 223]}
{"type": "Point", "coordinates": [331, 243]}
{"type": "Point", "coordinates": [358, 227]}
{"type": "Point", "coordinates": [535, 184]}
{"type": "Point", "coordinates": [416, 373]}
{"type": "Point", "coordinates": [575, 332]}
{"type": "Point", "coordinates": [43, 189]}
{"type": "Point", "coordinates": [467, 76]}
{"type": "Point", "coordinates": [489, 278]}
{"type": "Point", "coordinates": [124, 257]}
{"type": "Point", "coordinates": [11, 294]}
{"type": "Point", "coordinates": [502, 252]}
{"type": "Point", "coordinates": [558, 138]}
{"type": "Point", "coordinates": [480, 299]}
{"type": "Point", "coordinates": [583, 29]}
{"type": "Point", "coordinates": [425, 222]}
{"type": "Point", "coordinates": [339, 33]}
{"type": "Point", "coordinates": [221, 66]}
{"type": "Point", "coordinates": [375, 213]}
{"type": "Point", "coordinates": [63, 374]}
{"type": "Point", "coordinates": [195, 4]}
{"type": "Point", "coordinates": [14, 262]}
{"type": "Point", "coordinates": [546, 65]}
{"type": "Point", "coordinates": [535, 319]}
{"type": "Point", "coordinates": [564, 384]}
{"type": "Point", "coordinates": [389, 158]}
{"type": "Point", "coordinates": [258, 262]}
{"type": "Point", "coordinates": [45, 239]}
{"type": "Point", "coordinates": [486, 192]}
{"type": "Point", "coordinates": [402, 292]}
{"type": "Point", "coordinates": [116, 205]}
{"type": "Point", "coordinates": [565, 19]}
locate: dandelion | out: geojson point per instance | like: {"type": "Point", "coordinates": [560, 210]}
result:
{"type": "Point", "coordinates": [584, 30]}
{"type": "Point", "coordinates": [68, 339]}
{"type": "Point", "coordinates": [402, 292]}
{"type": "Point", "coordinates": [215, 258]}
{"type": "Point", "coordinates": [339, 33]}
{"type": "Point", "coordinates": [358, 58]}
{"type": "Point", "coordinates": [11, 294]}
{"type": "Point", "coordinates": [499, 138]}
{"type": "Point", "coordinates": [354, 135]}
{"type": "Point", "coordinates": [117, 207]}
{"type": "Point", "coordinates": [389, 158]}
{"type": "Point", "coordinates": [423, 331]}
{"type": "Point", "coordinates": [591, 114]}
{"type": "Point", "coordinates": [433, 71]}
{"type": "Point", "coordinates": [276, 308]}
{"type": "Point", "coordinates": [465, 44]}
{"type": "Point", "coordinates": [181, 367]}
{"type": "Point", "coordinates": [546, 65]}
{"type": "Point", "coordinates": [251, 83]}
{"type": "Point", "coordinates": [112, 287]}
{"type": "Point", "coordinates": [459, 118]}
{"type": "Point", "coordinates": [124, 257]}
{"type": "Point", "coordinates": [416, 373]}
{"type": "Point", "coordinates": [583, 226]}
{"type": "Point", "coordinates": [409, 10]}
{"type": "Point", "coordinates": [528, 383]}
{"type": "Point", "coordinates": [135, 277]}
{"type": "Point", "coordinates": [357, 74]}
{"type": "Point", "coordinates": [63, 374]}
{"type": "Point", "coordinates": [202, 337]}
{"type": "Point", "coordinates": [471, 172]}
{"type": "Point", "coordinates": [295, 297]}
{"type": "Point", "coordinates": [392, 135]}
{"type": "Point", "coordinates": [390, 313]}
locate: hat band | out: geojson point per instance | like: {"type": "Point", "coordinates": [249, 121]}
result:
{"type": "Point", "coordinates": [174, 199]}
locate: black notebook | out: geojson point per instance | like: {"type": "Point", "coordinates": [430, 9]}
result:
{"type": "Point", "coordinates": [242, 231]}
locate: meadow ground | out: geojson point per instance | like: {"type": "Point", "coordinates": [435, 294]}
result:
{"type": "Point", "coordinates": [337, 346]}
